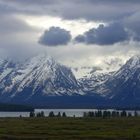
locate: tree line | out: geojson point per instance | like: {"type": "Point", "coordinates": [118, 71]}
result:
{"type": "Point", "coordinates": [106, 114]}
{"type": "Point", "coordinates": [99, 113]}
{"type": "Point", "coordinates": [51, 114]}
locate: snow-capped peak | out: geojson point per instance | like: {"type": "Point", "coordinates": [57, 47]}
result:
{"type": "Point", "coordinates": [125, 83]}
{"type": "Point", "coordinates": [128, 69]}
{"type": "Point", "coordinates": [38, 75]}
{"type": "Point", "coordinates": [134, 61]}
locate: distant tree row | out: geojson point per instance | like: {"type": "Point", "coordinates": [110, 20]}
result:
{"type": "Point", "coordinates": [39, 114]}
{"type": "Point", "coordinates": [106, 114]}
{"type": "Point", "coordinates": [51, 114]}
{"type": "Point", "coordinates": [99, 113]}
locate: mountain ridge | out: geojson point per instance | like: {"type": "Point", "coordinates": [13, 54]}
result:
{"type": "Point", "coordinates": [125, 83]}
{"type": "Point", "coordinates": [40, 80]}
{"type": "Point", "coordinates": [38, 75]}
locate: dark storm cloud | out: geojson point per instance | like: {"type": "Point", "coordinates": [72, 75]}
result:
{"type": "Point", "coordinates": [14, 33]}
{"type": "Point", "coordinates": [10, 24]}
{"type": "Point", "coordinates": [28, 7]}
{"type": "Point", "coordinates": [133, 24]}
{"type": "Point", "coordinates": [80, 38]}
{"type": "Point", "coordinates": [75, 9]}
{"type": "Point", "coordinates": [125, 12]}
{"type": "Point", "coordinates": [55, 36]}
{"type": "Point", "coordinates": [104, 35]}
{"type": "Point", "coordinates": [33, 2]}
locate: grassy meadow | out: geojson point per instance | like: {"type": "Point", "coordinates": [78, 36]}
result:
{"type": "Point", "coordinates": [70, 128]}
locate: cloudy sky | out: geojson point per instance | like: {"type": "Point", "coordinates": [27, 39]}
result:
{"type": "Point", "coordinates": [77, 33]}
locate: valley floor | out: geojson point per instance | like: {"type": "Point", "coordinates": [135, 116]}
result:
{"type": "Point", "coordinates": [70, 128]}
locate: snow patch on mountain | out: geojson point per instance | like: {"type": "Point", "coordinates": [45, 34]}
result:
{"type": "Point", "coordinates": [38, 75]}
{"type": "Point", "coordinates": [99, 75]}
{"type": "Point", "coordinates": [125, 83]}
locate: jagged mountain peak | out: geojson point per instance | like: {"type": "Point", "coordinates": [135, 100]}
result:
{"type": "Point", "coordinates": [40, 75]}
{"type": "Point", "coordinates": [43, 57]}
{"type": "Point", "coordinates": [133, 61]}
{"type": "Point", "coordinates": [129, 68]}
{"type": "Point", "coordinates": [125, 83]}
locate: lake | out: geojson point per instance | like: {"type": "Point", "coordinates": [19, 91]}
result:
{"type": "Point", "coordinates": [69, 112]}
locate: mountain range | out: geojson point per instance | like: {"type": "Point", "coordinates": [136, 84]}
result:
{"type": "Point", "coordinates": [43, 81]}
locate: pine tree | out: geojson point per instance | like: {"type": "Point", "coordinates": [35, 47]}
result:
{"type": "Point", "coordinates": [59, 114]}
{"type": "Point", "coordinates": [104, 114]}
{"type": "Point", "coordinates": [129, 114]}
{"type": "Point", "coordinates": [32, 114]}
{"type": "Point", "coordinates": [64, 114]}
{"type": "Point", "coordinates": [136, 114]}
{"type": "Point", "coordinates": [51, 114]}
{"type": "Point", "coordinates": [123, 113]}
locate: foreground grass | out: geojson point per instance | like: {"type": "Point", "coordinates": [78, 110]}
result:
{"type": "Point", "coordinates": [69, 129]}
